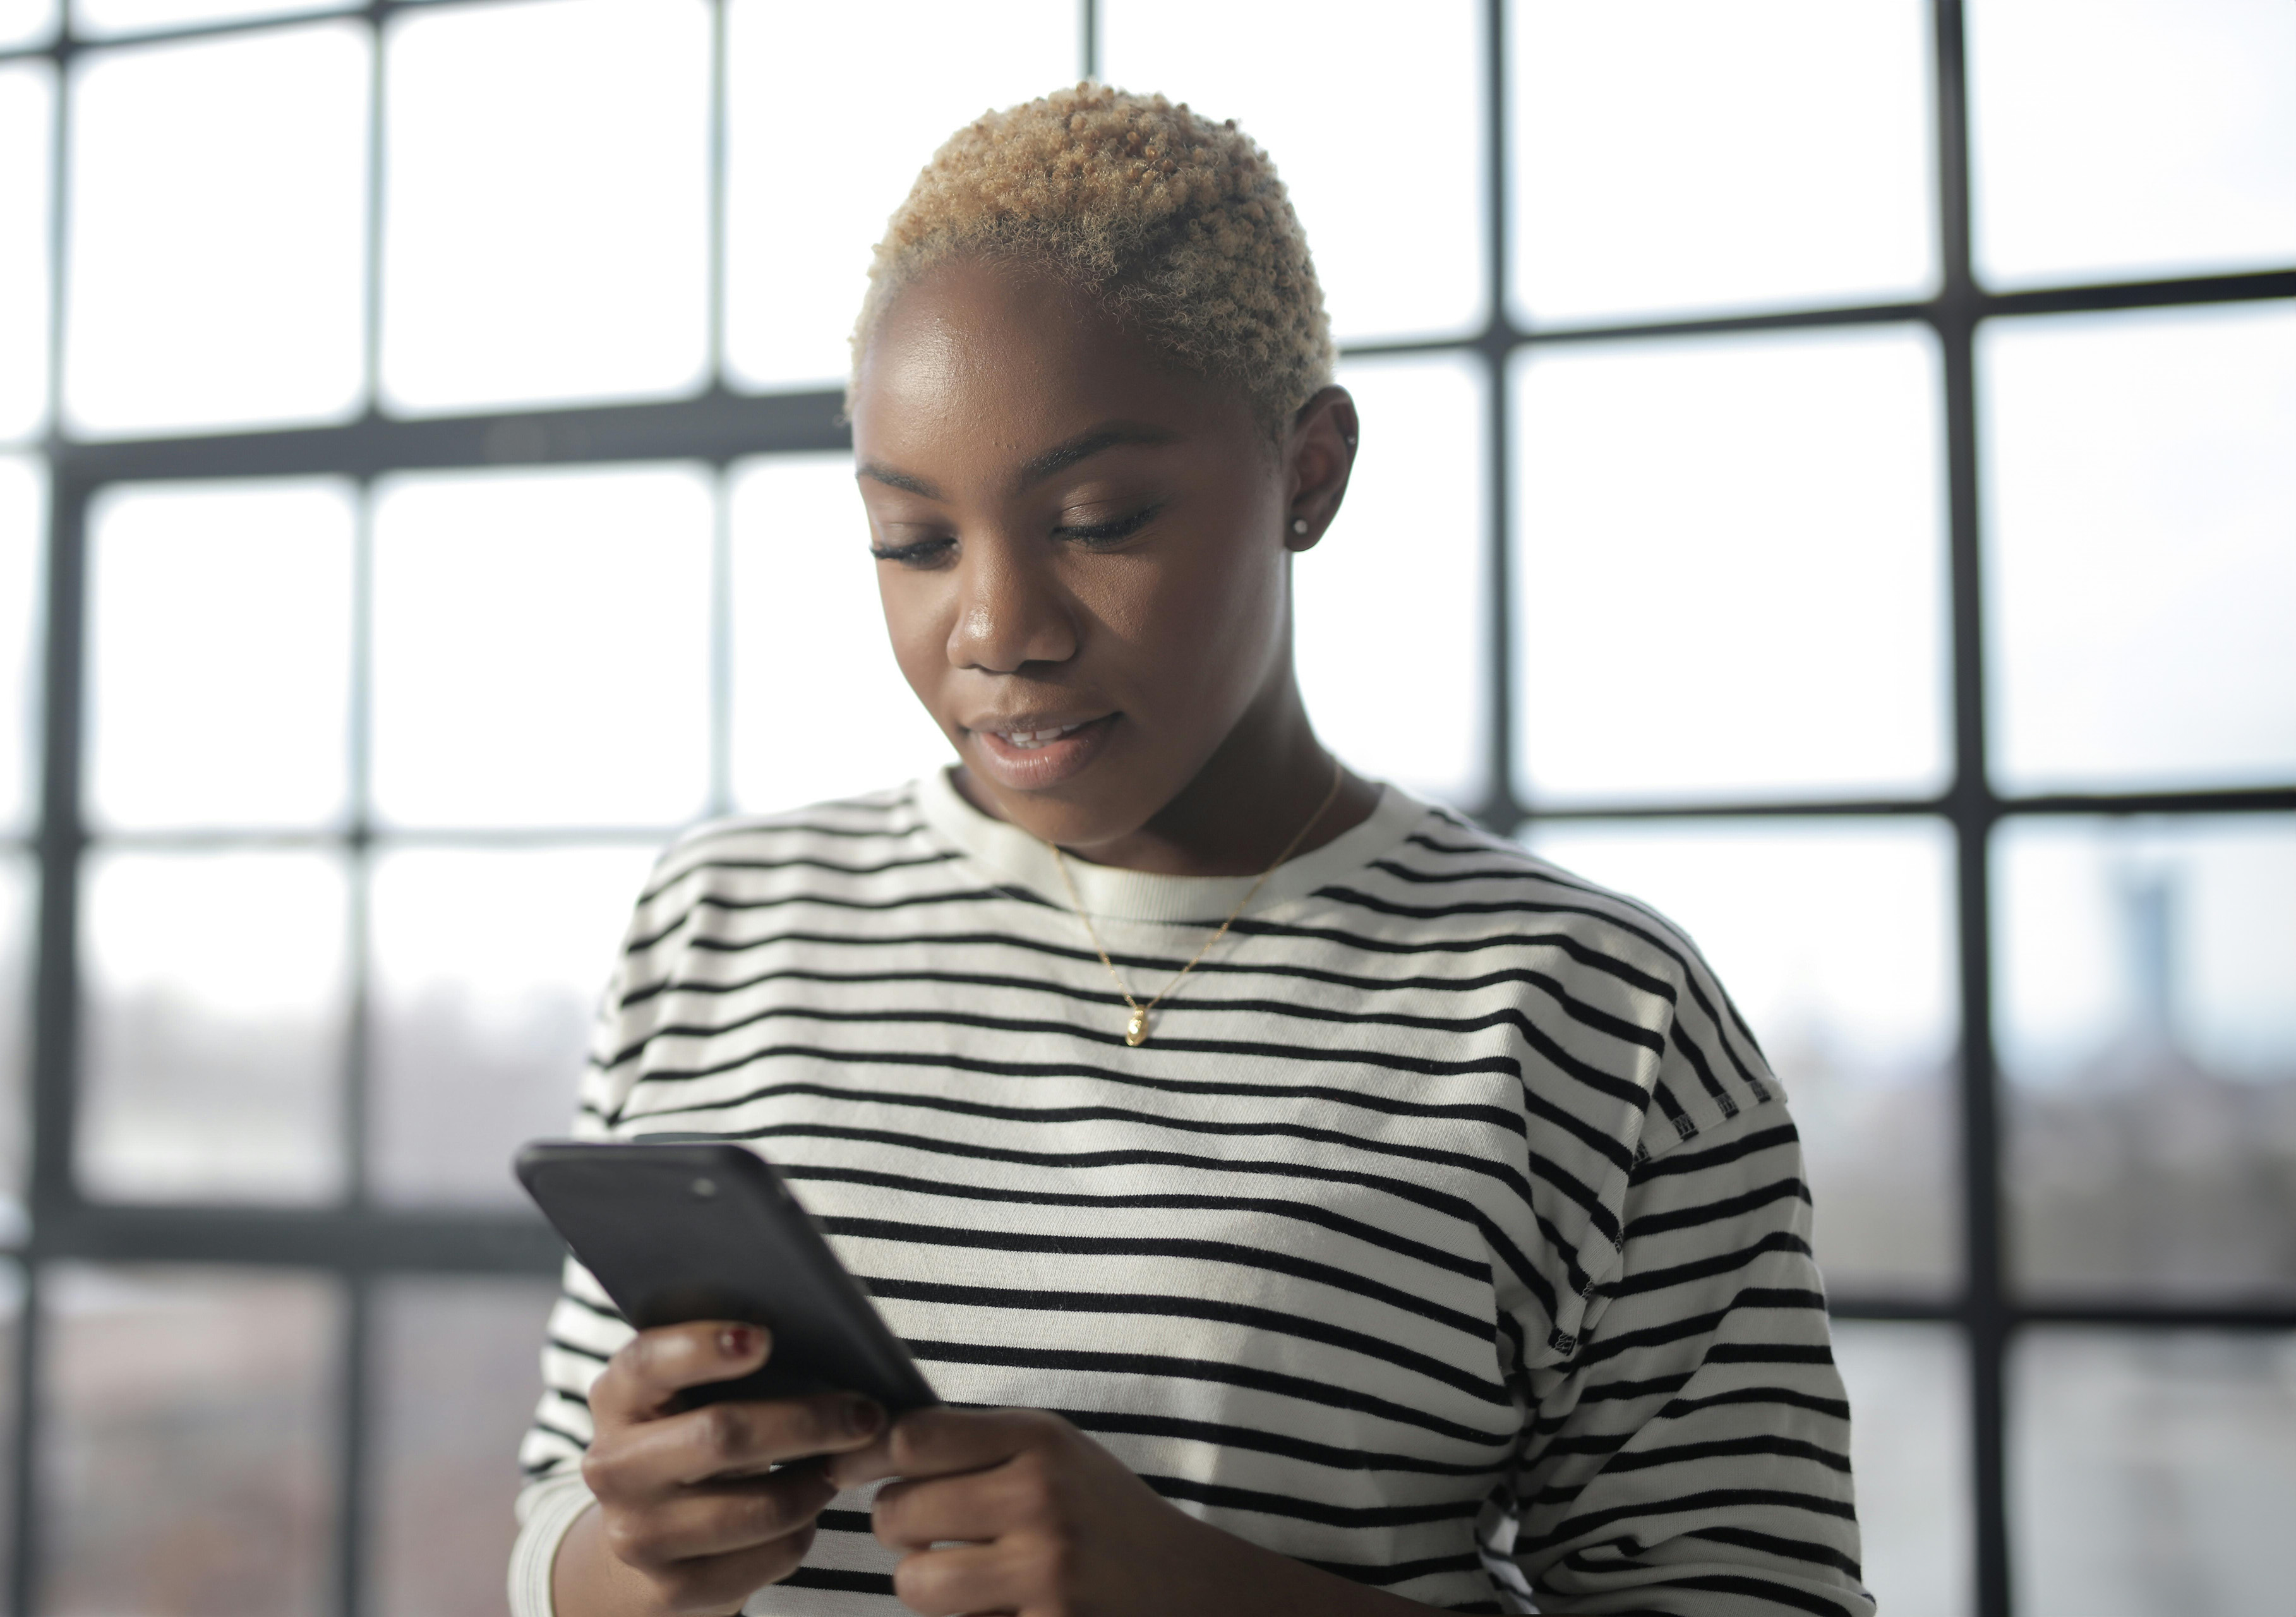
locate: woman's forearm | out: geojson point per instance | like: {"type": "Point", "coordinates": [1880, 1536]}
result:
{"type": "Point", "coordinates": [1234, 1577]}
{"type": "Point", "coordinates": [1239, 1578]}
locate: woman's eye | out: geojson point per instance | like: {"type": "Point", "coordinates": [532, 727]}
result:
{"type": "Point", "coordinates": [1109, 533]}
{"type": "Point", "coordinates": [917, 552]}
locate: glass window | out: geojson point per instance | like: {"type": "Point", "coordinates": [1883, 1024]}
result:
{"type": "Point", "coordinates": [19, 924]}
{"type": "Point", "coordinates": [187, 1429]}
{"type": "Point", "coordinates": [807, 628]}
{"type": "Point", "coordinates": [1389, 626]}
{"type": "Point", "coordinates": [1412, 264]}
{"type": "Point", "coordinates": [23, 542]}
{"type": "Point", "coordinates": [99, 18]}
{"type": "Point", "coordinates": [1730, 569]}
{"type": "Point", "coordinates": [27, 23]}
{"type": "Point", "coordinates": [1666, 160]}
{"type": "Point", "coordinates": [2152, 1472]}
{"type": "Point", "coordinates": [542, 647]}
{"type": "Point", "coordinates": [220, 663]}
{"type": "Point", "coordinates": [1909, 1449]}
{"type": "Point", "coordinates": [218, 214]}
{"type": "Point", "coordinates": [2139, 571]}
{"type": "Point", "coordinates": [488, 967]}
{"type": "Point", "coordinates": [27, 122]}
{"type": "Point", "coordinates": [11, 1344]}
{"type": "Point", "coordinates": [2153, 137]}
{"type": "Point", "coordinates": [212, 1047]}
{"type": "Point", "coordinates": [547, 202]}
{"type": "Point", "coordinates": [1835, 941]}
{"type": "Point", "coordinates": [891, 84]}
{"type": "Point", "coordinates": [2146, 1020]}
{"type": "Point", "coordinates": [456, 1379]}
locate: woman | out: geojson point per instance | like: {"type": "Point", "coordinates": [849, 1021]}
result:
{"type": "Point", "coordinates": [1306, 1202]}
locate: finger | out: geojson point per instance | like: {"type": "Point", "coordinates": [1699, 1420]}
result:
{"type": "Point", "coordinates": [942, 1442]}
{"type": "Point", "coordinates": [964, 1579]}
{"type": "Point", "coordinates": [721, 1519]}
{"type": "Point", "coordinates": [731, 1440]}
{"type": "Point", "coordinates": [654, 1366]}
{"type": "Point", "coordinates": [972, 1509]}
{"type": "Point", "coordinates": [723, 1583]}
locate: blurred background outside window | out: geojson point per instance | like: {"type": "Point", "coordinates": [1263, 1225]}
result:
{"type": "Point", "coordinates": [1824, 472]}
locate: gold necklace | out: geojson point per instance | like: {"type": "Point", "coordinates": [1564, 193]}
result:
{"type": "Point", "coordinates": [1136, 1032]}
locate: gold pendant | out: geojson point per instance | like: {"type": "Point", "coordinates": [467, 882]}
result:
{"type": "Point", "coordinates": [1136, 1032]}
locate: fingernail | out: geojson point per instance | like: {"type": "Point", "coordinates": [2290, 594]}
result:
{"type": "Point", "coordinates": [862, 1417]}
{"type": "Point", "coordinates": [737, 1341]}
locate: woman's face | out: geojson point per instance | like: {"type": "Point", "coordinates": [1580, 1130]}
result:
{"type": "Point", "coordinates": [1082, 554]}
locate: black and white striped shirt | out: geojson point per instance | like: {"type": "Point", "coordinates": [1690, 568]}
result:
{"type": "Point", "coordinates": [1450, 1232]}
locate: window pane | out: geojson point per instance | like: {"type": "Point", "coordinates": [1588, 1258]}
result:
{"type": "Point", "coordinates": [23, 542]}
{"type": "Point", "coordinates": [2139, 570]}
{"type": "Point", "coordinates": [456, 1379]}
{"type": "Point", "coordinates": [542, 647]}
{"type": "Point", "coordinates": [1666, 158]}
{"type": "Point", "coordinates": [800, 222]}
{"type": "Point", "coordinates": [2147, 1020]}
{"type": "Point", "coordinates": [1835, 941]}
{"type": "Point", "coordinates": [548, 202]}
{"type": "Point", "coordinates": [19, 929]}
{"type": "Point", "coordinates": [27, 135]}
{"type": "Point", "coordinates": [1389, 617]}
{"type": "Point", "coordinates": [26, 23]}
{"type": "Point", "coordinates": [187, 1439]}
{"type": "Point", "coordinates": [1909, 1449]}
{"type": "Point", "coordinates": [102, 17]}
{"type": "Point", "coordinates": [487, 966]}
{"type": "Point", "coordinates": [217, 231]}
{"type": "Point", "coordinates": [2130, 140]}
{"type": "Point", "coordinates": [807, 619]}
{"type": "Point", "coordinates": [1412, 264]}
{"type": "Point", "coordinates": [219, 660]}
{"type": "Point", "coordinates": [1730, 569]}
{"type": "Point", "coordinates": [11, 1344]}
{"type": "Point", "coordinates": [212, 1043]}
{"type": "Point", "coordinates": [2152, 1472]}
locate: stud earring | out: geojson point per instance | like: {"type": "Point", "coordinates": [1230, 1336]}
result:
{"type": "Point", "coordinates": [1299, 524]}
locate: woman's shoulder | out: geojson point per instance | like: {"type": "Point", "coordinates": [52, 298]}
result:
{"type": "Point", "coordinates": [852, 831]}
{"type": "Point", "coordinates": [1447, 873]}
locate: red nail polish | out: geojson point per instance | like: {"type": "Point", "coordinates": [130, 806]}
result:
{"type": "Point", "coordinates": [737, 1341]}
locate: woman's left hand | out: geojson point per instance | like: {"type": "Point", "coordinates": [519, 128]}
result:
{"type": "Point", "coordinates": [1033, 1517]}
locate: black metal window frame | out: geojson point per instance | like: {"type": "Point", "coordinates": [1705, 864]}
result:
{"type": "Point", "coordinates": [359, 1242]}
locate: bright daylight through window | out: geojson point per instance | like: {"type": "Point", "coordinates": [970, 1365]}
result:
{"type": "Point", "coordinates": [397, 398]}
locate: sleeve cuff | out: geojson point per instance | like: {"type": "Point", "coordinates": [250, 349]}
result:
{"type": "Point", "coordinates": [545, 1510]}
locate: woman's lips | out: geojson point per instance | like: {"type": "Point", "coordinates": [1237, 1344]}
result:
{"type": "Point", "coordinates": [1024, 759]}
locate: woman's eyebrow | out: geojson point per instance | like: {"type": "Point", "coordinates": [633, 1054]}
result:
{"type": "Point", "coordinates": [1060, 457]}
{"type": "Point", "coordinates": [877, 473]}
{"type": "Point", "coordinates": [1037, 468]}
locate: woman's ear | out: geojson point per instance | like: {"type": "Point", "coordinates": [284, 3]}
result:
{"type": "Point", "coordinates": [1318, 453]}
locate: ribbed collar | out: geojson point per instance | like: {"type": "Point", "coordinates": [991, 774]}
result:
{"type": "Point", "coordinates": [1014, 856]}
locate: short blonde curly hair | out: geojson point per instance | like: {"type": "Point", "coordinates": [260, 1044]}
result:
{"type": "Point", "coordinates": [1177, 223]}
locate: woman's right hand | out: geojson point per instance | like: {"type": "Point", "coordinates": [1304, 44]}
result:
{"type": "Point", "coordinates": [688, 1524]}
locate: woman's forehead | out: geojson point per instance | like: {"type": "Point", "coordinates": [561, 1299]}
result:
{"type": "Point", "coordinates": [976, 353]}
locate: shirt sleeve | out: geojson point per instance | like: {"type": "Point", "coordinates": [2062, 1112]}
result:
{"type": "Point", "coordinates": [584, 1330]}
{"type": "Point", "coordinates": [1691, 1455]}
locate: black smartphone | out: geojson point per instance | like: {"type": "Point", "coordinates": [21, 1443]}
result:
{"type": "Point", "coordinates": [706, 1230]}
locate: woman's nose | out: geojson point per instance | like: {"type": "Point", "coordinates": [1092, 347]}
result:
{"type": "Point", "coordinates": [1011, 611]}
